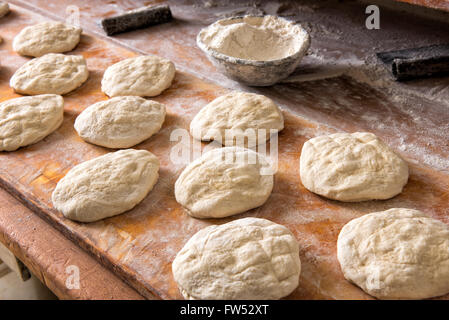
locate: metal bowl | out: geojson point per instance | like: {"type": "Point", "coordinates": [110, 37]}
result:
{"type": "Point", "coordinates": [256, 72]}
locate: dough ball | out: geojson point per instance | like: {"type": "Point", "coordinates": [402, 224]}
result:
{"type": "Point", "coordinates": [46, 37]}
{"type": "Point", "coordinates": [396, 254]}
{"type": "Point", "coordinates": [244, 259]}
{"type": "Point", "coordinates": [224, 182]}
{"type": "Point", "coordinates": [107, 185]}
{"type": "Point", "coordinates": [227, 118]}
{"type": "Point", "coordinates": [27, 120]}
{"type": "Point", "coordinates": [4, 8]}
{"type": "Point", "coordinates": [52, 73]}
{"type": "Point", "coordinates": [352, 167]}
{"type": "Point", "coordinates": [145, 76]}
{"type": "Point", "coordinates": [120, 122]}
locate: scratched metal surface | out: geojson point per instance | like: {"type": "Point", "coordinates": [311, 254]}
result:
{"type": "Point", "coordinates": [141, 244]}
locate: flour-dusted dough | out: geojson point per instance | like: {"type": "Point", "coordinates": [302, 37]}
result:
{"type": "Point", "coordinates": [145, 76]}
{"type": "Point", "coordinates": [228, 117]}
{"type": "Point", "coordinates": [52, 73]}
{"type": "Point", "coordinates": [120, 122]}
{"type": "Point", "coordinates": [4, 8]}
{"type": "Point", "coordinates": [46, 37]}
{"type": "Point", "coordinates": [27, 120]}
{"type": "Point", "coordinates": [224, 182]}
{"type": "Point", "coordinates": [244, 259]}
{"type": "Point", "coordinates": [107, 185]}
{"type": "Point", "coordinates": [396, 254]}
{"type": "Point", "coordinates": [352, 167]}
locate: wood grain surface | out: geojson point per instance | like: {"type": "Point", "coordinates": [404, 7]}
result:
{"type": "Point", "coordinates": [434, 4]}
{"type": "Point", "coordinates": [48, 254]}
{"type": "Point", "coordinates": [140, 245]}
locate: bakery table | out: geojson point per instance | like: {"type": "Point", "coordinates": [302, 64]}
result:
{"type": "Point", "coordinates": [49, 256]}
{"type": "Point", "coordinates": [139, 246]}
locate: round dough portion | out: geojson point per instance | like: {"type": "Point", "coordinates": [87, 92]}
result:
{"type": "Point", "coordinates": [27, 120]}
{"type": "Point", "coordinates": [46, 37]}
{"type": "Point", "coordinates": [52, 73]}
{"type": "Point", "coordinates": [396, 254]}
{"type": "Point", "coordinates": [352, 167]}
{"type": "Point", "coordinates": [224, 182]}
{"type": "Point", "coordinates": [244, 259]}
{"type": "Point", "coordinates": [145, 76]}
{"type": "Point", "coordinates": [238, 118]}
{"type": "Point", "coordinates": [107, 185]}
{"type": "Point", "coordinates": [120, 122]}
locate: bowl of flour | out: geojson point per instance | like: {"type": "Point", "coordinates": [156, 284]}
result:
{"type": "Point", "coordinates": [255, 50]}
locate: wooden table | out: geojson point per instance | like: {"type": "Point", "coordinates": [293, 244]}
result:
{"type": "Point", "coordinates": [48, 254]}
{"type": "Point", "coordinates": [435, 4]}
{"type": "Point", "coordinates": [411, 117]}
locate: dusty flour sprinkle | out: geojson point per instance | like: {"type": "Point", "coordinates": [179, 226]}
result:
{"type": "Point", "coordinates": [254, 38]}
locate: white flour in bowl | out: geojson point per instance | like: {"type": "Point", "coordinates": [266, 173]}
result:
{"type": "Point", "coordinates": [254, 38]}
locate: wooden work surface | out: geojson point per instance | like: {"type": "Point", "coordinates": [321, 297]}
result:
{"type": "Point", "coordinates": [435, 4]}
{"type": "Point", "coordinates": [49, 255]}
{"type": "Point", "coordinates": [140, 245]}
